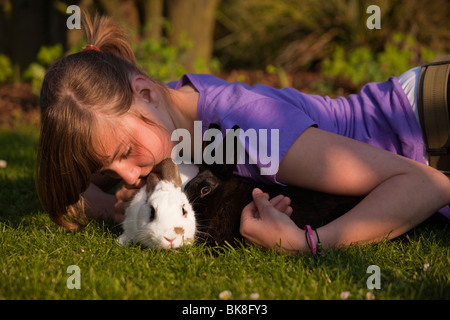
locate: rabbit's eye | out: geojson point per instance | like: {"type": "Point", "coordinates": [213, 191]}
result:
{"type": "Point", "coordinates": [152, 214]}
{"type": "Point", "coordinates": [184, 211]}
{"type": "Point", "coordinates": [204, 191]}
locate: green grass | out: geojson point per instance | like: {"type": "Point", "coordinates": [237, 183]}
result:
{"type": "Point", "coordinates": [35, 255]}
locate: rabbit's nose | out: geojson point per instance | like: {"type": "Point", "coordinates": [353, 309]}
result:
{"type": "Point", "coordinates": [179, 230]}
{"type": "Point", "coordinates": [169, 240]}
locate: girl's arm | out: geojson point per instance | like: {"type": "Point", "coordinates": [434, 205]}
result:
{"type": "Point", "coordinates": [401, 193]}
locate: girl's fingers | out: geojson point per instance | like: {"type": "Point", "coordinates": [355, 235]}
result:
{"type": "Point", "coordinates": [282, 203]}
{"type": "Point", "coordinates": [125, 194]}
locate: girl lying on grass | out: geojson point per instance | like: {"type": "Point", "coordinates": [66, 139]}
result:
{"type": "Point", "coordinates": [104, 119]}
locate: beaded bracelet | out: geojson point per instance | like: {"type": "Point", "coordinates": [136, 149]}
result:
{"type": "Point", "coordinates": [316, 248]}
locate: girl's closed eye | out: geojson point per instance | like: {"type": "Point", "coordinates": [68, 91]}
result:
{"type": "Point", "coordinates": [127, 153]}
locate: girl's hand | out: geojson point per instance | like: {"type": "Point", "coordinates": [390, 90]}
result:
{"type": "Point", "coordinates": [123, 198]}
{"type": "Point", "coordinates": [268, 223]}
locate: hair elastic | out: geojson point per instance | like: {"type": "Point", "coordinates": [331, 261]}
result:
{"type": "Point", "coordinates": [90, 47]}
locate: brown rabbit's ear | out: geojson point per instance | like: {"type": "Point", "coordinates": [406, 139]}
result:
{"type": "Point", "coordinates": [152, 181]}
{"type": "Point", "coordinates": [225, 170]}
{"type": "Point", "coordinates": [169, 172]}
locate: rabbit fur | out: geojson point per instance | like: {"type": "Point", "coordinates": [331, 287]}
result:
{"type": "Point", "coordinates": [160, 215]}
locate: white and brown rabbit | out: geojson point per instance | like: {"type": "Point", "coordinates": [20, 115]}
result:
{"type": "Point", "coordinates": [160, 215]}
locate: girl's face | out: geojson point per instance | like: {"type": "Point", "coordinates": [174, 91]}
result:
{"type": "Point", "coordinates": [134, 149]}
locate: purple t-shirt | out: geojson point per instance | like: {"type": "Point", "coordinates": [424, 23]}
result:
{"type": "Point", "coordinates": [380, 115]}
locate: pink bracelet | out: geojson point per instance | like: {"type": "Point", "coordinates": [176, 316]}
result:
{"type": "Point", "coordinates": [310, 239]}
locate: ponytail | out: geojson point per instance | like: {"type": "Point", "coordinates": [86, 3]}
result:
{"type": "Point", "coordinates": [103, 33]}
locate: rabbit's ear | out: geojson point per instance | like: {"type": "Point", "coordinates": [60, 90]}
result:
{"type": "Point", "coordinates": [231, 158]}
{"type": "Point", "coordinates": [152, 181]}
{"type": "Point", "coordinates": [226, 169]}
{"type": "Point", "coordinates": [169, 172]}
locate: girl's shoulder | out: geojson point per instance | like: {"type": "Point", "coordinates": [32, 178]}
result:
{"type": "Point", "coordinates": [210, 84]}
{"type": "Point", "coordinates": [199, 81]}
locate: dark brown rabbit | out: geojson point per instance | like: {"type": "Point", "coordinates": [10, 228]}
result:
{"type": "Point", "coordinates": [218, 198]}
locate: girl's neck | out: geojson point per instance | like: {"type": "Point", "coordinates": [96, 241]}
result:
{"type": "Point", "coordinates": [185, 105]}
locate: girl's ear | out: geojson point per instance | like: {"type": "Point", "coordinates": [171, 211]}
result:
{"type": "Point", "coordinates": [144, 89]}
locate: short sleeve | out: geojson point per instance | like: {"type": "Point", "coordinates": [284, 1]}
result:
{"type": "Point", "coordinates": [268, 129]}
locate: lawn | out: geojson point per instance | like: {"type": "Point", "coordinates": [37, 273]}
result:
{"type": "Point", "coordinates": [35, 255]}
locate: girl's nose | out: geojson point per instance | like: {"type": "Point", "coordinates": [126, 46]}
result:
{"type": "Point", "coordinates": [129, 174]}
{"type": "Point", "coordinates": [131, 177]}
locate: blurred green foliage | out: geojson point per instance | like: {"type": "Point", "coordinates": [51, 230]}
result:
{"type": "Point", "coordinates": [362, 65]}
{"type": "Point", "coordinates": [298, 35]}
{"type": "Point", "coordinates": [6, 69]}
{"type": "Point", "coordinates": [166, 62]}
{"type": "Point", "coordinates": [159, 59]}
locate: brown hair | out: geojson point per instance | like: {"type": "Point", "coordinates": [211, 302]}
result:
{"type": "Point", "coordinates": [77, 92]}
